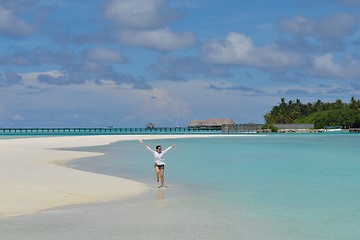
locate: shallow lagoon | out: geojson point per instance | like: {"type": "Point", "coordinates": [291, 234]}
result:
{"type": "Point", "coordinates": [291, 186]}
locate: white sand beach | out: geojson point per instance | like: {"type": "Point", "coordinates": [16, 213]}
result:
{"type": "Point", "coordinates": [33, 176]}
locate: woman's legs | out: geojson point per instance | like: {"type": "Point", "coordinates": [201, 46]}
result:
{"type": "Point", "coordinates": [157, 172]}
{"type": "Point", "coordinates": [162, 177]}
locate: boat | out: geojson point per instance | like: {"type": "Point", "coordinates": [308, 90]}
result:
{"type": "Point", "coordinates": [333, 128]}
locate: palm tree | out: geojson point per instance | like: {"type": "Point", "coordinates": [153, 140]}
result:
{"type": "Point", "coordinates": [318, 106]}
{"type": "Point", "coordinates": [338, 104]}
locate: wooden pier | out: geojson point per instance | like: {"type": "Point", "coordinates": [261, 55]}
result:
{"type": "Point", "coordinates": [224, 129]}
{"type": "Point", "coordinates": [101, 131]}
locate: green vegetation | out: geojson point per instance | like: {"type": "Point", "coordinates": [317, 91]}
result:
{"type": "Point", "coordinates": [269, 126]}
{"type": "Point", "coordinates": [319, 113]}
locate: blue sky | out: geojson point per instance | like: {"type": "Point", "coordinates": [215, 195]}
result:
{"type": "Point", "coordinates": [66, 63]}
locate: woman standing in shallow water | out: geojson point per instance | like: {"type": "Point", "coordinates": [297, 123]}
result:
{"type": "Point", "coordinates": [159, 161]}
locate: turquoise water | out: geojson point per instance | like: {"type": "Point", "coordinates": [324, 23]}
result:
{"type": "Point", "coordinates": [300, 186]}
{"type": "Point", "coordinates": [255, 187]}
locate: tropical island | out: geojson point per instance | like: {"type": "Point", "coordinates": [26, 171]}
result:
{"type": "Point", "coordinates": [287, 116]}
{"type": "Point", "coordinates": [321, 114]}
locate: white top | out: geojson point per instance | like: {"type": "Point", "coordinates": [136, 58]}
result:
{"type": "Point", "coordinates": [159, 157]}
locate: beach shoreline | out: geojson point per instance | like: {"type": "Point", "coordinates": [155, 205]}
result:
{"type": "Point", "coordinates": [34, 177]}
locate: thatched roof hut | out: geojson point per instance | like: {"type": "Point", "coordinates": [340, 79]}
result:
{"type": "Point", "coordinates": [211, 122]}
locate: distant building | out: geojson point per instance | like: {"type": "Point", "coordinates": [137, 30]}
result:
{"type": "Point", "coordinates": [150, 125]}
{"type": "Point", "coordinates": [213, 123]}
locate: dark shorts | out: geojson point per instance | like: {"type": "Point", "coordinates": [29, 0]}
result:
{"type": "Point", "coordinates": [159, 166]}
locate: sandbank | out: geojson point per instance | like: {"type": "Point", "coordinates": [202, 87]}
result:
{"type": "Point", "coordinates": [33, 176]}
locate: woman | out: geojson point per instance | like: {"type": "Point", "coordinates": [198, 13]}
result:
{"type": "Point", "coordinates": [159, 161]}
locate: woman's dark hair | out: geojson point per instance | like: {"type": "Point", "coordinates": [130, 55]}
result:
{"type": "Point", "coordinates": [158, 146]}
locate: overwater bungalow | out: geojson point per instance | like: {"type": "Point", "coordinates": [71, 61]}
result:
{"type": "Point", "coordinates": [150, 125]}
{"type": "Point", "coordinates": [210, 124]}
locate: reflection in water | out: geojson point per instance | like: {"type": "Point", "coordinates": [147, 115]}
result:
{"type": "Point", "coordinates": [160, 195]}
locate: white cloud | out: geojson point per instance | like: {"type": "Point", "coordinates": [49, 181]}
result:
{"type": "Point", "coordinates": [31, 78]}
{"type": "Point", "coordinates": [299, 25]}
{"type": "Point", "coordinates": [325, 66]}
{"type": "Point", "coordinates": [206, 103]}
{"type": "Point", "coordinates": [10, 78]}
{"type": "Point", "coordinates": [159, 39]}
{"type": "Point", "coordinates": [239, 49]}
{"type": "Point", "coordinates": [140, 14]}
{"type": "Point", "coordinates": [104, 55]}
{"type": "Point", "coordinates": [337, 26]}
{"type": "Point", "coordinates": [333, 26]}
{"type": "Point", "coordinates": [158, 104]}
{"type": "Point", "coordinates": [143, 23]}
{"type": "Point", "coordinates": [10, 24]}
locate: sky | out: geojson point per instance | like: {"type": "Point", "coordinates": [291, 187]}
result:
{"type": "Point", "coordinates": [126, 63]}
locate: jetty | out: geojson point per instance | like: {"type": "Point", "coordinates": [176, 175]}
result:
{"type": "Point", "coordinates": [218, 129]}
{"type": "Point", "coordinates": [103, 131]}
{"type": "Point", "coordinates": [198, 129]}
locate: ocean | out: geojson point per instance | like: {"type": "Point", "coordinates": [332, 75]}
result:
{"type": "Point", "coordinates": [251, 187]}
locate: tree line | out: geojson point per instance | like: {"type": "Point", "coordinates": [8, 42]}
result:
{"type": "Point", "coordinates": [319, 113]}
